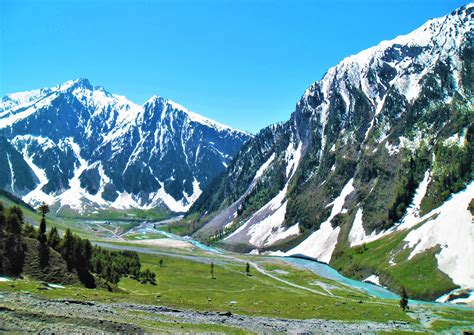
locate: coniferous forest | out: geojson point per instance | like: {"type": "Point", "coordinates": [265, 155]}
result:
{"type": "Point", "coordinates": [92, 265]}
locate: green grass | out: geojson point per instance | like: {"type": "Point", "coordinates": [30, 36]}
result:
{"type": "Point", "coordinates": [307, 278]}
{"type": "Point", "coordinates": [187, 284]}
{"type": "Point", "coordinates": [147, 236]}
{"type": "Point", "coordinates": [180, 228]}
{"type": "Point", "coordinates": [420, 276]}
{"type": "Point", "coordinates": [111, 214]}
{"type": "Point", "coordinates": [444, 325]}
{"type": "Point", "coordinates": [174, 324]}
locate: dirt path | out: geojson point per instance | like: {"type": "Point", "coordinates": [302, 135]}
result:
{"type": "Point", "coordinates": [266, 273]}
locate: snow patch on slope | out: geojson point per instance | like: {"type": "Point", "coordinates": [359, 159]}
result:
{"type": "Point", "coordinates": [358, 236]}
{"type": "Point", "coordinates": [448, 297]}
{"type": "Point", "coordinates": [12, 174]}
{"type": "Point", "coordinates": [450, 227]}
{"type": "Point", "coordinates": [374, 279]}
{"type": "Point", "coordinates": [269, 226]}
{"type": "Point", "coordinates": [264, 166]}
{"type": "Point", "coordinates": [321, 243]}
{"type": "Point", "coordinates": [174, 205]}
{"type": "Point", "coordinates": [270, 229]}
{"type": "Point", "coordinates": [73, 197]}
{"type": "Point", "coordinates": [9, 118]}
{"type": "Point", "coordinates": [201, 119]}
{"type": "Point", "coordinates": [37, 196]}
{"type": "Point", "coordinates": [292, 157]}
{"type": "Point", "coordinates": [412, 217]}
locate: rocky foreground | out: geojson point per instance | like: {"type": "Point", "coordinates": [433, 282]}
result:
{"type": "Point", "coordinates": [24, 312]}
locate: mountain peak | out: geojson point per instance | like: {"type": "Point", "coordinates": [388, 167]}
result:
{"type": "Point", "coordinates": [153, 100]}
{"type": "Point", "coordinates": [135, 159]}
{"type": "Point", "coordinates": [201, 119]}
{"type": "Point", "coordinates": [436, 32]}
{"type": "Point", "coordinates": [78, 83]}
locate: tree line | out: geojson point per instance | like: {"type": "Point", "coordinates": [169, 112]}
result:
{"type": "Point", "coordinates": [90, 263]}
{"type": "Point", "coordinates": [12, 250]}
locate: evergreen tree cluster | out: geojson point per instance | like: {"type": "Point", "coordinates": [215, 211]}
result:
{"type": "Point", "coordinates": [77, 253]}
{"type": "Point", "coordinates": [147, 277]}
{"type": "Point", "coordinates": [405, 192]}
{"type": "Point", "coordinates": [12, 248]}
{"type": "Point", "coordinates": [113, 265]}
{"type": "Point", "coordinates": [43, 251]}
{"type": "Point", "coordinates": [89, 262]}
{"type": "Point", "coordinates": [410, 175]}
{"type": "Point", "coordinates": [453, 168]}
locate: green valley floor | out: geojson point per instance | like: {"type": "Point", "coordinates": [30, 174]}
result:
{"type": "Point", "coordinates": [274, 297]}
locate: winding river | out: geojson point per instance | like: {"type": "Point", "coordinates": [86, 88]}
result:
{"type": "Point", "coordinates": [321, 269]}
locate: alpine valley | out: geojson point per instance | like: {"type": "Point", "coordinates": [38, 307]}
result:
{"type": "Point", "coordinates": [354, 216]}
{"type": "Point", "coordinates": [82, 149]}
{"type": "Point", "coordinates": [372, 173]}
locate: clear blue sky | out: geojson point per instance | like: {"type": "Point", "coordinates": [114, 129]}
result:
{"type": "Point", "coordinates": [244, 63]}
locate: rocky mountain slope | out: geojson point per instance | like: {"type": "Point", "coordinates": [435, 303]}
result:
{"type": "Point", "coordinates": [380, 149]}
{"type": "Point", "coordinates": [81, 148]}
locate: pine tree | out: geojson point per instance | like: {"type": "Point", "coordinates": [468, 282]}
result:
{"type": "Point", "coordinates": [42, 228]}
{"type": "Point", "coordinates": [42, 231]}
{"type": "Point", "coordinates": [44, 209]}
{"type": "Point", "coordinates": [148, 277]}
{"type": "Point", "coordinates": [43, 248]}
{"type": "Point", "coordinates": [43, 254]}
{"type": "Point", "coordinates": [67, 249]}
{"type": "Point", "coordinates": [98, 265]}
{"type": "Point", "coordinates": [14, 253]}
{"type": "Point", "coordinates": [111, 275]}
{"type": "Point", "coordinates": [404, 300]}
{"type": "Point", "coordinates": [3, 222]}
{"type": "Point", "coordinates": [14, 221]}
{"type": "Point", "coordinates": [53, 239]}
{"type": "Point", "coordinates": [87, 253]}
{"type": "Point", "coordinates": [212, 271]}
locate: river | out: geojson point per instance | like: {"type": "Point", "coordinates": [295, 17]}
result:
{"type": "Point", "coordinates": [321, 269]}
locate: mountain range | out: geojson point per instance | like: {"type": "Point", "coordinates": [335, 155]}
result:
{"type": "Point", "coordinates": [373, 171]}
{"type": "Point", "coordinates": [80, 148]}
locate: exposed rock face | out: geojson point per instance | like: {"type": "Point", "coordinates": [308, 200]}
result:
{"type": "Point", "coordinates": [81, 147]}
{"type": "Point", "coordinates": [384, 138]}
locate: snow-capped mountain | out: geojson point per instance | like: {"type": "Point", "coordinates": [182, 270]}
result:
{"type": "Point", "coordinates": [80, 147]}
{"type": "Point", "coordinates": [379, 148]}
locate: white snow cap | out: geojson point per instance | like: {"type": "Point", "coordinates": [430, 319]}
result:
{"type": "Point", "coordinates": [119, 116]}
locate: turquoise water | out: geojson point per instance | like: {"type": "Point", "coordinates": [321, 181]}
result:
{"type": "Point", "coordinates": [321, 269]}
{"type": "Point", "coordinates": [328, 272]}
{"type": "Point", "coordinates": [193, 242]}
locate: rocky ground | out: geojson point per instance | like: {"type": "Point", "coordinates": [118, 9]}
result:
{"type": "Point", "coordinates": [24, 312]}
